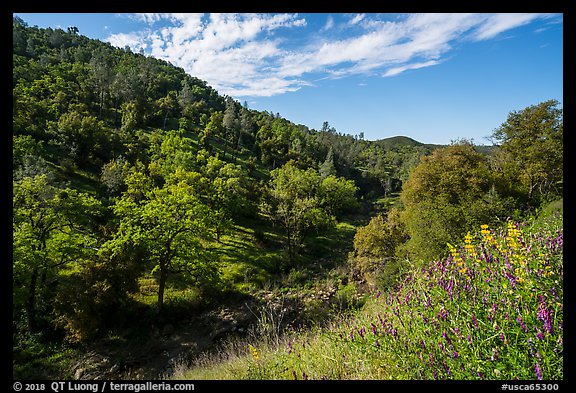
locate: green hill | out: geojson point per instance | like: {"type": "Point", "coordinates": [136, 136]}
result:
{"type": "Point", "coordinates": [155, 219]}
{"type": "Point", "coordinates": [395, 141]}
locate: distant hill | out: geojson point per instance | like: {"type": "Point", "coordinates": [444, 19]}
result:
{"type": "Point", "coordinates": [400, 140]}
{"type": "Point", "coordinates": [394, 141]}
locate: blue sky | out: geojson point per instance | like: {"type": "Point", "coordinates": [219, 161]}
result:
{"type": "Point", "coordinates": [433, 77]}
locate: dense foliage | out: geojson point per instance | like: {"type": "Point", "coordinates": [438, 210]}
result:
{"type": "Point", "coordinates": [491, 310]}
{"type": "Point", "coordinates": [128, 171]}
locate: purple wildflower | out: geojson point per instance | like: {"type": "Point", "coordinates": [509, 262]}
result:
{"type": "Point", "coordinates": [377, 343]}
{"type": "Point", "coordinates": [407, 298]}
{"type": "Point", "coordinates": [538, 356]}
{"type": "Point", "coordinates": [522, 324]}
{"type": "Point", "coordinates": [492, 312]}
{"type": "Point", "coordinates": [382, 322]}
{"type": "Point", "coordinates": [544, 315]}
{"type": "Point", "coordinates": [508, 266]}
{"type": "Point", "coordinates": [512, 280]}
{"type": "Point", "coordinates": [442, 314]}
{"type": "Point", "coordinates": [446, 368]}
{"type": "Point", "coordinates": [374, 330]}
{"type": "Point", "coordinates": [474, 321]}
{"type": "Point", "coordinates": [538, 371]}
{"type": "Point", "coordinates": [446, 338]}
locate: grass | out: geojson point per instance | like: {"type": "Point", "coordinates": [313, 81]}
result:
{"type": "Point", "coordinates": [493, 309]}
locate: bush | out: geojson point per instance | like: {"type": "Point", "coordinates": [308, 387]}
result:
{"type": "Point", "coordinates": [450, 191]}
{"type": "Point", "coordinates": [376, 246]}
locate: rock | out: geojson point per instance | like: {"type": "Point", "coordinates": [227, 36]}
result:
{"type": "Point", "coordinates": [78, 374]}
{"type": "Point", "coordinates": [114, 369]}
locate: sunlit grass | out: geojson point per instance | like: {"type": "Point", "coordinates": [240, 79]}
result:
{"type": "Point", "coordinates": [493, 309]}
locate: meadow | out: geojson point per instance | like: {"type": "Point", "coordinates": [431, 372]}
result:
{"type": "Point", "coordinates": [491, 310]}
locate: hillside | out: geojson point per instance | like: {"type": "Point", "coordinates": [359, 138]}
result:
{"type": "Point", "coordinates": [476, 319]}
{"type": "Point", "coordinates": [156, 220]}
{"type": "Point", "coordinates": [395, 141]}
{"type": "Point", "coordinates": [99, 124]}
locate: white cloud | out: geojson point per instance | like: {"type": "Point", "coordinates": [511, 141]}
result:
{"type": "Point", "coordinates": [357, 19]}
{"type": "Point", "coordinates": [329, 23]}
{"type": "Point", "coordinates": [248, 54]}
{"type": "Point", "coordinates": [413, 66]}
{"type": "Point", "coordinates": [136, 41]}
{"type": "Point", "coordinates": [496, 24]}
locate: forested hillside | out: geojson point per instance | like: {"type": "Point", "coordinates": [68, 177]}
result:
{"type": "Point", "coordinates": [146, 205]}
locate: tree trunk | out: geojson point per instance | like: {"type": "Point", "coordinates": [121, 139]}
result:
{"type": "Point", "coordinates": [165, 119]}
{"type": "Point", "coordinates": [290, 245]}
{"type": "Point", "coordinates": [101, 99]}
{"type": "Point", "coordinates": [31, 302]}
{"type": "Point", "coordinates": [161, 286]}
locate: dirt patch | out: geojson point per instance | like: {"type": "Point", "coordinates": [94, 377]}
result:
{"type": "Point", "coordinates": [156, 355]}
{"type": "Point", "coordinates": [159, 354]}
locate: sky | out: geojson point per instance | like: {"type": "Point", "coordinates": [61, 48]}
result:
{"type": "Point", "coordinates": [434, 77]}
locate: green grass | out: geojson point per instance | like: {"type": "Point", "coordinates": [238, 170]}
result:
{"type": "Point", "coordinates": [492, 310]}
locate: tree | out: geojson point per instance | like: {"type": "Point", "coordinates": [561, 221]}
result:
{"type": "Point", "coordinates": [246, 128]}
{"type": "Point", "coordinates": [102, 74]}
{"type": "Point", "coordinates": [225, 190]}
{"type": "Point", "coordinates": [294, 203]}
{"type": "Point", "coordinates": [82, 137]}
{"type": "Point", "coordinates": [52, 228]}
{"type": "Point", "coordinates": [186, 99]}
{"type": "Point", "coordinates": [213, 128]}
{"type": "Point", "coordinates": [327, 168]}
{"type": "Point", "coordinates": [231, 123]}
{"type": "Point", "coordinates": [450, 192]}
{"type": "Point", "coordinates": [167, 104]}
{"type": "Point", "coordinates": [174, 151]}
{"type": "Point", "coordinates": [376, 246]}
{"type": "Point", "coordinates": [171, 225]}
{"type": "Point", "coordinates": [114, 174]}
{"type": "Point", "coordinates": [337, 194]}
{"type": "Point", "coordinates": [532, 146]}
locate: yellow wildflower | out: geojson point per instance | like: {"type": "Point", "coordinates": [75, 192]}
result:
{"type": "Point", "coordinates": [254, 352]}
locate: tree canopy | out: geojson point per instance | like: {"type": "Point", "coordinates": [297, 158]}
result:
{"type": "Point", "coordinates": [127, 170]}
